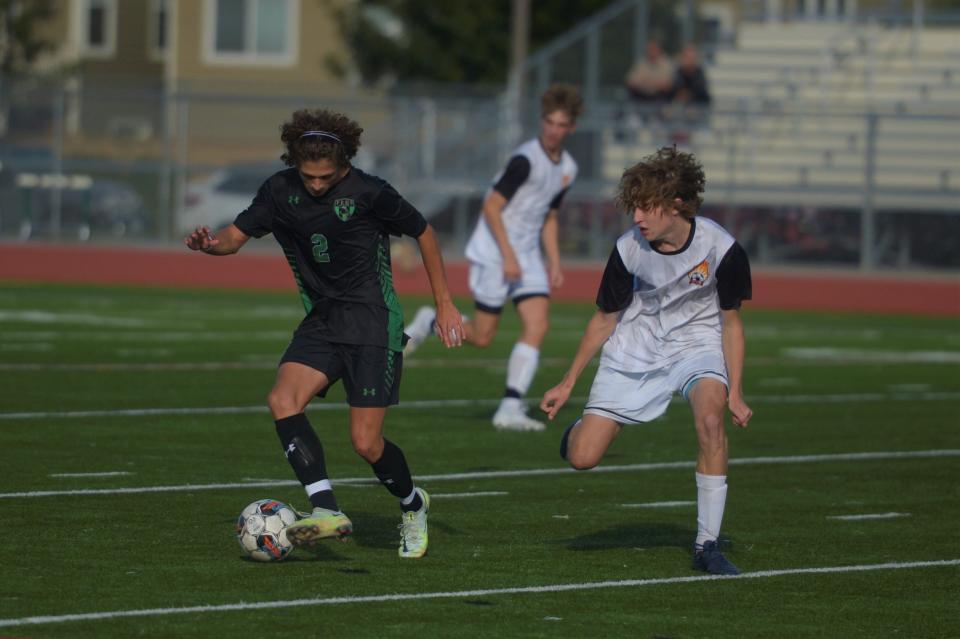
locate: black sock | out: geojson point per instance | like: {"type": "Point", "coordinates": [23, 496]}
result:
{"type": "Point", "coordinates": [304, 452]}
{"type": "Point", "coordinates": [392, 471]}
{"type": "Point", "coordinates": [565, 439]}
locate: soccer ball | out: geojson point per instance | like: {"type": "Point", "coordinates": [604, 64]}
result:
{"type": "Point", "coordinates": [262, 530]}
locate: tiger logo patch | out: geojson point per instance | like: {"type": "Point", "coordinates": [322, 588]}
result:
{"type": "Point", "coordinates": [700, 273]}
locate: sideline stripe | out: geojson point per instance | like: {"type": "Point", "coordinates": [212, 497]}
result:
{"type": "Point", "coordinates": [488, 493]}
{"type": "Point", "coordinates": [258, 364]}
{"type": "Point", "coordinates": [113, 473]}
{"type": "Point", "coordinates": [267, 363]}
{"type": "Point", "coordinates": [660, 504]}
{"type": "Point", "coordinates": [872, 516]}
{"type": "Point", "coordinates": [454, 403]}
{"type": "Point", "coordinates": [497, 474]}
{"type": "Point", "coordinates": [869, 356]}
{"type": "Point", "coordinates": [457, 594]}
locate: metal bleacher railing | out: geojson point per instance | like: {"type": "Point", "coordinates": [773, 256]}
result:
{"type": "Point", "coordinates": [848, 122]}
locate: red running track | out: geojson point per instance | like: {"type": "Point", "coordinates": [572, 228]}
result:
{"type": "Point", "coordinates": [833, 291]}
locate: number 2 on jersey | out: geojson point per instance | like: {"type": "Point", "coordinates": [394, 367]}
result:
{"type": "Point", "coordinates": [319, 241]}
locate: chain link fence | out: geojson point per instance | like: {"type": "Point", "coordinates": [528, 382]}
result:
{"type": "Point", "coordinates": [84, 163]}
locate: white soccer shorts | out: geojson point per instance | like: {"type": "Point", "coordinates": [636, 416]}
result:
{"type": "Point", "coordinates": [490, 289]}
{"type": "Point", "coordinates": [635, 398]}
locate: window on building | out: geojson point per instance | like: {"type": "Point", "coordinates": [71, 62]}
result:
{"type": "Point", "coordinates": [157, 28]}
{"type": "Point", "coordinates": [251, 31]}
{"type": "Point", "coordinates": [98, 27]}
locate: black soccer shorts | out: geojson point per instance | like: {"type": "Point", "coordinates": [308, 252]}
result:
{"type": "Point", "coordinates": [370, 374]}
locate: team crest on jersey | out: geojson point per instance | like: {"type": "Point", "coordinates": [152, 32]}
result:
{"type": "Point", "coordinates": [344, 208]}
{"type": "Point", "coordinates": [700, 273]}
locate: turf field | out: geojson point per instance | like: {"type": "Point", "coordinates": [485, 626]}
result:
{"type": "Point", "coordinates": [133, 431]}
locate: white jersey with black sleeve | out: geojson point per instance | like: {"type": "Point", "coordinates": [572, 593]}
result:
{"type": "Point", "coordinates": [533, 184]}
{"type": "Point", "coordinates": [670, 303]}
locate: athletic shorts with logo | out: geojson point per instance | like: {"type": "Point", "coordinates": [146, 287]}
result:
{"type": "Point", "coordinates": [635, 398]}
{"type": "Point", "coordinates": [370, 374]}
{"type": "Point", "coordinates": [490, 289]}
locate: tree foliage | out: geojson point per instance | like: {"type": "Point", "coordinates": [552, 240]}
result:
{"type": "Point", "coordinates": [448, 41]}
{"type": "Point", "coordinates": [19, 42]}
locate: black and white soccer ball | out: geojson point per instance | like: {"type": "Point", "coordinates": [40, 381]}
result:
{"type": "Point", "coordinates": [262, 530]}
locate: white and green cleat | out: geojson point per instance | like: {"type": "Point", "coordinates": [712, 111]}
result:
{"type": "Point", "coordinates": [413, 530]}
{"type": "Point", "coordinates": [320, 524]}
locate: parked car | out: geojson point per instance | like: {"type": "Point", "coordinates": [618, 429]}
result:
{"type": "Point", "coordinates": [34, 201]}
{"type": "Point", "coordinates": [216, 199]}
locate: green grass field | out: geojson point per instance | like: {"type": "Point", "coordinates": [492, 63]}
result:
{"type": "Point", "coordinates": [133, 430]}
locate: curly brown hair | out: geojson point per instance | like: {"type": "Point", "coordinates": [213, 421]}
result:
{"type": "Point", "coordinates": [562, 97]}
{"type": "Point", "coordinates": [315, 147]}
{"type": "Point", "coordinates": [659, 180]}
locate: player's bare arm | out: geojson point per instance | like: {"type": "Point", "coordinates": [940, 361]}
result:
{"type": "Point", "coordinates": [734, 347]}
{"type": "Point", "coordinates": [449, 321]}
{"type": "Point", "coordinates": [551, 248]}
{"type": "Point", "coordinates": [598, 331]}
{"type": "Point", "coordinates": [493, 214]}
{"type": "Point", "coordinates": [226, 241]}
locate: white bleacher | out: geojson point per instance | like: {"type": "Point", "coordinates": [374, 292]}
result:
{"type": "Point", "coordinates": [790, 122]}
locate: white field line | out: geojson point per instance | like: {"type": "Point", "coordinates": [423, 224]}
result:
{"type": "Point", "coordinates": [660, 504]}
{"type": "Point", "coordinates": [460, 594]}
{"type": "Point", "coordinates": [233, 410]}
{"type": "Point", "coordinates": [113, 473]}
{"type": "Point", "coordinates": [145, 336]}
{"type": "Point", "coordinates": [870, 516]}
{"type": "Point", "coordinates": [780, 382]}
{"type": "Point", "coordinates": [141, 366]}
{"type": "Point", "coordinates": [177, 332]}
{"type": "Point", "coordinates": [200, 332]}
{"type": "Point", "coordinates": [447, 362]}
{"type": "Point", "coordinates": [870, 356]}
{"type": "Point", "coordinates": [841, 398]}
{"type": "Point", "coordinates": [47, 317]}
{"type": "Point", "coordinates": [573, 328]}
{"type": "Point", "coordinates": [35, 347]}
{"type": "Point", "coordinates": [908, 388]}
{"type": "Point", "coordinates": [497, 474]}
{"type": "Point", "coordinates": [487, 493]}
{"type": "Point", "coordinates": [832, 358]}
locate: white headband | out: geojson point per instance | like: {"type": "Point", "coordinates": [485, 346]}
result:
{"type": "Point", "coordinates": [322, 134]}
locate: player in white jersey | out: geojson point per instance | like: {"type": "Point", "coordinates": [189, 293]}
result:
{"type": "Point", "coordinates": [668, 320]}
{"type": "Point", "coordinates": [506, 261]}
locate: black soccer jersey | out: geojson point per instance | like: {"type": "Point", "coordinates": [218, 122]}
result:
{"type": "Point", "coordinates": [338, 248]}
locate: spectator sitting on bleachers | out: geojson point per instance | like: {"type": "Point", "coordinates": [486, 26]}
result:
{"type": "Point", "coordinates": [689, 96]}
{"type": "Point", "coordinates": [651, 78]}
{"type": "Point", "coordinates": [690, 82]}
{"type": "Point", "coordinates": [649, 85]}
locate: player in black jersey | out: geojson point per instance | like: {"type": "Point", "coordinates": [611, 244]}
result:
{"type": "Point", "coordinates": [333, 222]}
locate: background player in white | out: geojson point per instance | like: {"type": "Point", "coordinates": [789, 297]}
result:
{"type": "Point", "coordinates": [506, 260]}
{"type": "Point", "coordinates": [668, 320]}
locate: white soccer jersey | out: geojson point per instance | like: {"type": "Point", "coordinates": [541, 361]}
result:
{"type": "Point", "coordinates": [527, 207]}
{"type": "Point", "coordinates": [672, 306]}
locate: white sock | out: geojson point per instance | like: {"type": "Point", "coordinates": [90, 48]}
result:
{"type": "Point", "coordinates": [318, 486]}
{"type": "Point", "coordinates": [711, 498]}
{"type": "Point", "coordinates": [406, 501]}
{"type": "Point", "coordinates": [522, 366]}
{"type": "Point", "coordinates": [511, 403]}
